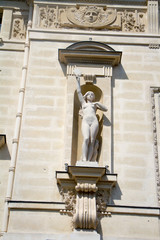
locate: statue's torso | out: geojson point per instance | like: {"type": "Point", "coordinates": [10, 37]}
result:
{"type": "Point", "coordinates": [89, 112]}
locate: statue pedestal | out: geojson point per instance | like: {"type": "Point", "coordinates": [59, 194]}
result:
{"type": "Point", "coordinates": [86, 235]}
{"type": "Point", "coordinates": [86, 191]}
{"type": "Point", "coordinates": [87, 164]}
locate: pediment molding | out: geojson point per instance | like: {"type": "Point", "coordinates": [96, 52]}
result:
{"type": "Point", "coordinates": [90, 52]}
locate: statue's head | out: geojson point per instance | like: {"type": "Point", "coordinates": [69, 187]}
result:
{"type": "Point", "coordinates": [89, 96]}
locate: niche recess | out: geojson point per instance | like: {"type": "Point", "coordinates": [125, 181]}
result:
{"type": "Point", "coordinates": [77, 137]}
{"type": "Point", "coordinates": [95, 61]}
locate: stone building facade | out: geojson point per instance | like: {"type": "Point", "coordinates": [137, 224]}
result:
{"type": "Point", "coordinates": [46, 190]}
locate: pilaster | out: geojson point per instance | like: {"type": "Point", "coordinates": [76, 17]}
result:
{"type": "Point", "coordinates": [153, 18]}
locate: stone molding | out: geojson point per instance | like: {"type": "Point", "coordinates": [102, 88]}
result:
{"type": "Point", "coordinates": [117, 2]}
{"type": "Point", "coordinates": [60, 207]}
{"type": "Point", "coordinates": [155, 90]}
{"type": "Point", "coordinates": [87, 191]}
{"type": "Point", "coordinates": [90, 52]}
{"type": "Point", "coordinates": [154, 46]}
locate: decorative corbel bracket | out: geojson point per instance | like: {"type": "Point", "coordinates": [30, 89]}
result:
{"type": "Point", "coordinates": [91, 189]}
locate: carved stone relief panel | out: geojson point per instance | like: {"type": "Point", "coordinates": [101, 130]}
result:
{"type": "Point", "coordinates": [92, 17]}
{"type": "Point", "coordinates": [48, 17]}
{"type": "Point", "coordinates": [133, 21]}
{"type": "Point", "coordinates": [19, 25]}
{"type": "Point", "coordinates": [155, 96]}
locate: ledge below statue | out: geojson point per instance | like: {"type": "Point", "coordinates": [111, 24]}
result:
{"type": "Point", "coordinates": [86, 192]}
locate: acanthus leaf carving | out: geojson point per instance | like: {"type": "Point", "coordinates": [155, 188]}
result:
{"type": "Point", "coordinates": [102, 198]}
{"type": "Point", "coordinates": [69, 197]}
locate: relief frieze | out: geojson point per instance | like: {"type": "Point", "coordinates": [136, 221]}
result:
{"type": "Point", "coordinates": [92, 17]}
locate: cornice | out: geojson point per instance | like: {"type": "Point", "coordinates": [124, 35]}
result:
{"type": "Point", "coordinates": [23, 1]}
{"type": "Point", "coordinates": [90, 52]}
{"type": "Point", "coordinates": [113, 2]}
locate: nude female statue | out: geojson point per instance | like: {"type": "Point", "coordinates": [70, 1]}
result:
{"type": "Point", "coordinates": [90, 124]}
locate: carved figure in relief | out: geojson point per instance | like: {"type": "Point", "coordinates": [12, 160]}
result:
{"type": "Point", "coordinates": [91, 16]}
{"type": "Point", "coordinates": [90, 124]}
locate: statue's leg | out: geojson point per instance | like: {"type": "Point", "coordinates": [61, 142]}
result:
{"type": "Point", "coordinates": [86, 136]}
{"type": "Point", "coordinates": [93, 134]}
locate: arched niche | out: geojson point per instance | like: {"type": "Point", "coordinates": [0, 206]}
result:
{"type": "Point", "coordinates": [96, 59]}
{"type": "Point", "coordinates": [77, 137]}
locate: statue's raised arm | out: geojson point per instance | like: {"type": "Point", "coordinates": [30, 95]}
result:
{"type": "Point", "coordinates": [77, 72]}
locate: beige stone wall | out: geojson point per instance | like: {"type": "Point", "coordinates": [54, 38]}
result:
{"type": "Point", "coordinates": [133, 129]}
{"type": "Point", "coordinates": [11, 61]}
{"type": "Point", "coordinates": [10, 75]}
{"type": "Point", "coordinates": [41, 149]}
{"type": "Point", "coordinates": [42, 135]}
{"type": "Point", "coordinates": [36, 206]}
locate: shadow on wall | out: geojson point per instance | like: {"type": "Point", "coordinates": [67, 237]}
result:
{"type": "Point", "coordinates": [63, 68]}
{"type": "Point", "coordinates": [4, 153]}
{"type": "Point", "coordinates": [119, 73]}
{"type": "Point", "coordinates": [116, 194]}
